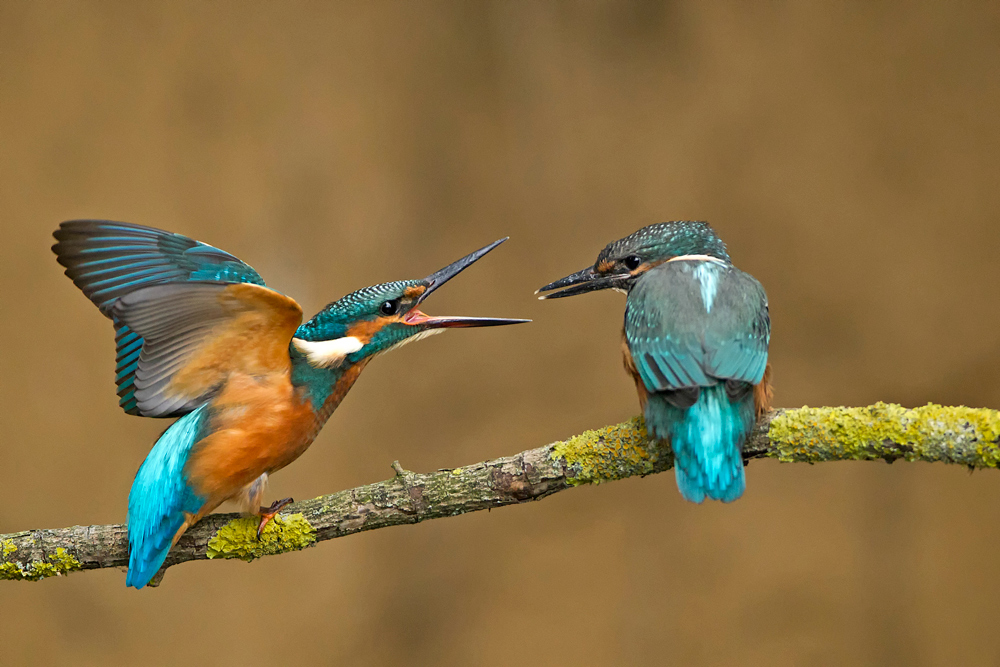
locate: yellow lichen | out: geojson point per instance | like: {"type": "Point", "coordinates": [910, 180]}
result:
{"type": "Point", "coordinates": [238, 538]}
{"type": "Point", "coordinates": [930, 433]}
{"type": "Point", "coordinates": [62, 562]}
{"type": "Point", "coordinates": [7, 547]}
{"type": "Point", "coordinates": [613, 452]}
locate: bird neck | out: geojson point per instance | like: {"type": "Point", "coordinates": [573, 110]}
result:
{"type": "Point", "coordinates": [323, 387]}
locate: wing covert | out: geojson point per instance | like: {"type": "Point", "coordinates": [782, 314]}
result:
{"type": "Point", "coordinates": [691, 326]}
{"type": "Point", "coordinates": [107, 260]}
{"type": "Point", "coordinates": [195, 334]}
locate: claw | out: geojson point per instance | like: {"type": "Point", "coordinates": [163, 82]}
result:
{"type": "Point", "coordinates": [268, 513]}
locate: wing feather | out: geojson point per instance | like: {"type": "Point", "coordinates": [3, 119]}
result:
{"type": "Point", "coordinates": [108, 260]}
{"type": "Point", "coordinates": [677, 341]}
{"type": "Point", "coordinates": [196, 334]}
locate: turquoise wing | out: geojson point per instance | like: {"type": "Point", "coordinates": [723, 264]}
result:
{"type": "Point", "coordinates": [108, 260]}
{"type": "Point", "coordinates": [693, 324]}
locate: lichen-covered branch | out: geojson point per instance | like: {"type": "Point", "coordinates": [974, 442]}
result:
{"type": "Point", "coordinates": [968, 436]}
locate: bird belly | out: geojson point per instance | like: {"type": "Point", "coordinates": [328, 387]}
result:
{"type": "Point", "coordinates": [259, 425]}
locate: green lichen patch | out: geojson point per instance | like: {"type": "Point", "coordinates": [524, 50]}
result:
{"type": "Point", "coordinates": [238, 538]}
{"type": "Point", "coordinates": [888, 431]}
{"type": "Point", "coordinates": [613, 452]}
{"type": "Point", "coordinates": [7, 547]}
{"type": "Point", "coordinates": [62, 562]}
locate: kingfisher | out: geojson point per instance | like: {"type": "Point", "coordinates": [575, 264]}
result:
{"type": "Point", "coordinates": [695, 342]}
{"type": "Point", "coordinates": [200, 337]}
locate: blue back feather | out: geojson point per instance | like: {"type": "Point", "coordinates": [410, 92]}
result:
{"type": "Point", "coordinates": [161, 495]}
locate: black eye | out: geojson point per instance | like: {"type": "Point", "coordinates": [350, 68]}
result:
{"type": "Point", "coordinates": [389, 307]}
{"type": "Point", "coordinates": [632, 262]}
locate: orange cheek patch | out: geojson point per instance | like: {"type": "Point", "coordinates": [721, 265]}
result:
{"type": "Point", "coordinates": [414, 292]}
{"type": "Point", "coordinates": [365, 329]}
{"type": "Point", "coordinates": [605, 266]}
{"type": "Point", "coordinates": [646, 266]}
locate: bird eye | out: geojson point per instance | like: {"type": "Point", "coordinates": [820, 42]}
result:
{"type": "Point", "coordinates": [632, 262]}
{"type": "Point", "coordinates": [389, 307]}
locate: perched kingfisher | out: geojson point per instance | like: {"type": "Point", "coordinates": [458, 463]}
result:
{"type": "Point", "coordinates": [695, 342]}
{"type": "Point", "coordinates": [200, 337]}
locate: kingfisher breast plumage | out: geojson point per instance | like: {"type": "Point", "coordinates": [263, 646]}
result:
{"type": "Point", "coordinates": [200, 337]}
{"type": "Point", "coordinates": [695, 341]}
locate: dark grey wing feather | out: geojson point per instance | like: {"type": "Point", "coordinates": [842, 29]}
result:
{"type": "Point", "coordinates": [108, 259]}
{"type": "Point", "coordinates": [196, 334]}
{"type": "Point", "coordinates": [173, 320]}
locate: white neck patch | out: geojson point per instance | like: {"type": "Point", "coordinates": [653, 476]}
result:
{"type": "Point", "coordinates": [327, 353]}
{"type": "Point", "coordinates": [697, 258]}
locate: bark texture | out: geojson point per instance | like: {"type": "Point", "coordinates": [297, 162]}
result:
{"type": "Point", "coordinates": [968, 436]}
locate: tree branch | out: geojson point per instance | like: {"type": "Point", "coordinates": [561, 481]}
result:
{"type": "Point", "coordinates": [968, 436]}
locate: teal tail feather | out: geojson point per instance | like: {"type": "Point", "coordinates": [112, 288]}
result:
{"type": "Point", "coordinates": [707, 440]}
{"type": "Point", "coordinates": [160, 496]}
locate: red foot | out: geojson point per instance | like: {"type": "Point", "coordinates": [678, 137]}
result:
{"type": "Point", "coordinates": [268, 513]}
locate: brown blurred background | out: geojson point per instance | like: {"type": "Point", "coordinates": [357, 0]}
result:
{"type": "Point", "coordinates": [849, 154]}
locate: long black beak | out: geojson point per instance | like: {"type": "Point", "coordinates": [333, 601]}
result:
{"type": "Point", "coordinates": [581, 282]}
{"type": "Point", "coordinates": [438, 278]}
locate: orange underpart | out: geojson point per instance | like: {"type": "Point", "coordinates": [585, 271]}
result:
{"type": "Point", "coordinates": [260, 425]}
{"type": "Point", "coordinates": [763, 392]}
{"type": "Point", "coordinates": [634, 372]}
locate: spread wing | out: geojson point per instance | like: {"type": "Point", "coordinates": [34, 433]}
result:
{"type": "Point", "coordinates": [196, 334]}
{"type": "Point", "coordinates": [693, 324]}
{"type": "Point", "coordinates": [107, 260]}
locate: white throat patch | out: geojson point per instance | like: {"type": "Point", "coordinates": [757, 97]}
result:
{"type": "Point", "coordinates": [417, 336]}
{"type": "Point", "coordinates": [327, 353]}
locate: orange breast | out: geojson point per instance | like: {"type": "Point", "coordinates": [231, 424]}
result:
{"type": "Point", "coordinates": [259, 424]}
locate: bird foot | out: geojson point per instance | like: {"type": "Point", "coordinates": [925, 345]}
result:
{"type": "Point", "coordinates": [268, 513]}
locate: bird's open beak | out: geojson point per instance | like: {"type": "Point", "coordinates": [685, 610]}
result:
{"type": "Point", "coordinates": [581, 282]}
{"type": "Point", "coordinates": [438, 278]}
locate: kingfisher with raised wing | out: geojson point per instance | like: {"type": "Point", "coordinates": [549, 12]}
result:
{"type": "Point", "coordinates": [200, 337]}
{"type": "Point", "coordinates": [695, 341]}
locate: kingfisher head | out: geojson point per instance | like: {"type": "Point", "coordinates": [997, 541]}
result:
{"type": "Point", "coordinates": [379, 318]}
{"type": "Point", "coordinates": [624, 261]}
